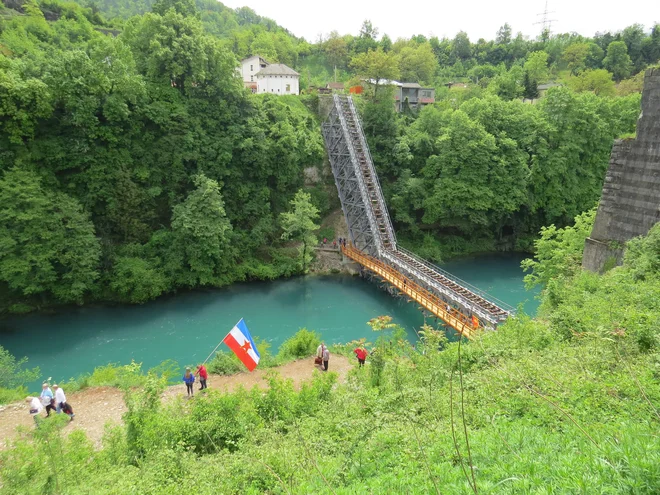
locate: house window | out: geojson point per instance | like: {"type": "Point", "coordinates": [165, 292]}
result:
{"type": "Point", "coordinates": [288, 88]}
{"type": "Point", "coordinates": [251, 68]}
{"type": "Point", "coordinates": [252, 78]}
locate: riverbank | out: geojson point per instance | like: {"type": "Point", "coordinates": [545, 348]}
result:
{"type": "Point", "coordinates": [97, 406]}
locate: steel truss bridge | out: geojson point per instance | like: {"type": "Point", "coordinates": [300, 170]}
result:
{"type": "Point", "coordinates": [373, 241]}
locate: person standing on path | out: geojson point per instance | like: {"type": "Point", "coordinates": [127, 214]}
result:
{"type": "Point", "coordinates": [47, 399]}
{"type": "Point", "coordinates": [203, 375]}
{"type": "Point", "coordinates": [60, 402]}
{"type": "Point", "coordinates": [189, 379]}
{"type": "Point", "coordinates": [361, 354]}
{"type": "Point", "coordinates": [326, 358]}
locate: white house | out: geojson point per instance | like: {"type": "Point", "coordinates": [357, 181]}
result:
{"type": "Point", "coordinates": [249, 68]}
{"type": "Point", "coordinates": [278, 79]}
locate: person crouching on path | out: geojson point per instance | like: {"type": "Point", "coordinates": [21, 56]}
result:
{"type": "Point", "coordinates": [60, 402]}
{"type": "Point", "coordinates": [361, 354]}
{"type": "Point", "coordinates": [203, 375]}
{"type": "Point", "coordinates": [47, 399]}
{"type": "Point", "coordinates": [35, 408]}
{"type": "Point", "coordinates": [326, 358]}
{"type": "Point", "coordinates": [189, 379]}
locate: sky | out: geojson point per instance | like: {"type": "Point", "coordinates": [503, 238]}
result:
{"type": "Point", "coordinates": [479, 18]}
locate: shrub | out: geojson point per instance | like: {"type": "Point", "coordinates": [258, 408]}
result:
{"type": "Point", "coordinates": [9, 395]}
{"type": "Point", "coordinates": [302, 344]}
{"type": "Point", "coordinates": [12, 373]}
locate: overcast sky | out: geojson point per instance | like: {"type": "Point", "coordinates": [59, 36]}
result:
{"type": "Point", "coordinates": [479, 18]}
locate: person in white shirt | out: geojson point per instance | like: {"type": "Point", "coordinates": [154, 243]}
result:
{"type": "Point", "coordinates": [35, 407]}
{"type": "Point", "coordinates": [60, 401]}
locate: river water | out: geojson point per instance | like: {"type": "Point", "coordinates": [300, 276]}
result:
{"type": "Point", "coordinates": [187, 327]}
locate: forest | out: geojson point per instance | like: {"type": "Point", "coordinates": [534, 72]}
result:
{"type": "Point", "coordinates": [124, 131]}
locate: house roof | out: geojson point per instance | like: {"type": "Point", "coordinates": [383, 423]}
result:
{"type": "Point", "coordinates": [254, 56]}
{"type": "Point", "coordinates": [335, 85]}
{"type": "Point", "coordinates": [410, 85]}
{"type": "Point", "coordinates": [548, 85]}
{"type": "Point", "coordinates": [277, 70]}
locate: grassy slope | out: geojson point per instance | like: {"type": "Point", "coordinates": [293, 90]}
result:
{"type": "Point", "coordinates": [567, 403]}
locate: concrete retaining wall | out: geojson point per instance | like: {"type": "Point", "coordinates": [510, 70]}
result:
{"type": "Point", "coordinates": [630, 204]}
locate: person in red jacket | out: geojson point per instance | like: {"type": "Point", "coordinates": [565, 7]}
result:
{"type": "Point", "coordinates": [203, 375]}
{"type": "Point", "coordinates": [361, 354]}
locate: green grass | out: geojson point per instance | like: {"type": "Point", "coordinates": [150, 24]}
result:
{"type": "Point", "coordinates": [563, 404]}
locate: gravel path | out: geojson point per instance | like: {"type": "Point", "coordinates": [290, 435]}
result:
{"type": "Point", "coordinates": [95, 407]}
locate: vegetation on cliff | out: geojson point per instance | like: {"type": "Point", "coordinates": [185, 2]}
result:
{"type": "Point", "coordinates": [136, 165]}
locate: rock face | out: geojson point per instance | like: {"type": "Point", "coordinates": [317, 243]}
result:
{"type": "Point", "coordinates": [630, 204]}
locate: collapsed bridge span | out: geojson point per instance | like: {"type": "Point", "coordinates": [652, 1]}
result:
{"type": "Point", "coordinates": [373, 241]}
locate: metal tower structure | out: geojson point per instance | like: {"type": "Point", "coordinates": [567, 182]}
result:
{"type": "Point", "coordinates": [372, 235]}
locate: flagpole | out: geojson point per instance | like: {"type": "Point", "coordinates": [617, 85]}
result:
{"type": "Point", "coordinates": [216, 347]}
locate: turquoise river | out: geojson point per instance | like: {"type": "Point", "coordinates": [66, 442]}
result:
{"type": "Point", "coordinates": [186, 327]}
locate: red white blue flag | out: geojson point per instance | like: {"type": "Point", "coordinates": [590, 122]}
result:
{"type": "Point", "coordinates": [240, 341]}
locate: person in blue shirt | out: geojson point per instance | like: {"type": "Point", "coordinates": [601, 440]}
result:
{"type": "Point", "coordinates": [189, 379]}
{"type": "Point", "coordinates": [47, 399]}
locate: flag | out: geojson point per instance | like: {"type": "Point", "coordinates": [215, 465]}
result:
{"type": "Point", "coordinates": [240, 341]}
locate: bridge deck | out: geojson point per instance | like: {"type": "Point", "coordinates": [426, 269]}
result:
{"type": "Point", "coordinates": [414, 291]}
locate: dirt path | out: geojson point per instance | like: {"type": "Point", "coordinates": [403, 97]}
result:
{"type": "Point", "coordinates": [94, 407]}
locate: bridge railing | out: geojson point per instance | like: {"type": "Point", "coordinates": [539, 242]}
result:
{"type": "Point", "coordinates": [481, 293]}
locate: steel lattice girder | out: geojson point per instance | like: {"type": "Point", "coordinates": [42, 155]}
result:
{"type": "Point", "coordinates": [355, 210]}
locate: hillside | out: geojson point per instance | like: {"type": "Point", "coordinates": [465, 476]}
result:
{"type": "Point", "coordinates": [566, 403]}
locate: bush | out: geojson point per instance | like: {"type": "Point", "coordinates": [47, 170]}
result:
{"type": "Point", "coordinates": [9, 395]}
{"type": "Point", "coordinates": [303, 344]}
{"type": "Point", "coordinates": [12, 374]}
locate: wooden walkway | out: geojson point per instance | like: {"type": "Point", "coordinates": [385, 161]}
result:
{"type": "Point", "coordinates": [415, 292]}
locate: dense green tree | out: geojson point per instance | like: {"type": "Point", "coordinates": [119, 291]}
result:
{"type": "Point", "coordinates": [651, 46]}
{"type": "Point", "coordinates": [461, 48]}
{"type": "Point", "coordinates": [13, 372]}
{"type": "Point", "coordinates": [376, 65]}
{"type": "Point", "coordinates": [201, 236]}
{"type": "Point", "coordinates": [473, 179]}
{"type": "Point", "coordinates": [386, 43]}
{"type": "Point", "coordinates": [595, 56]}
{"type": "Point", "coordinates": [536, 66]}
{"type": "Point", "coordinates": [503, 35]}
{"type": "Point", "coordinates": [633, 36]}
{"type": "Point", "coordinates": [136, 280]}
{"type": "Point", "coordinates": [575, 57]}
{"type": "Point", "coordinates": [183, 7]}
{"type": "Point", "coordinates": [417, 63]}
{"type": "Point", "coordinates": [598, 81]}
{"type": "Point", "coordinates": [617, 60]}
{"type": "Point", "coordinates": [508, 84]}
{"type": "Point", "coordinates": [558, 252]}
{"type": "Point", "coordinates": [336, 50]}
{"type": "Point", "coordinates": [298, 224]}
{"type": "Point", "coordinates": [47, 242]}
{"type": "Point", "coordinates": [530, 86]}
{"type": "Point", "coordinates": [366, 40]}
{"type": "Point", "coordinates": [24, 100]}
